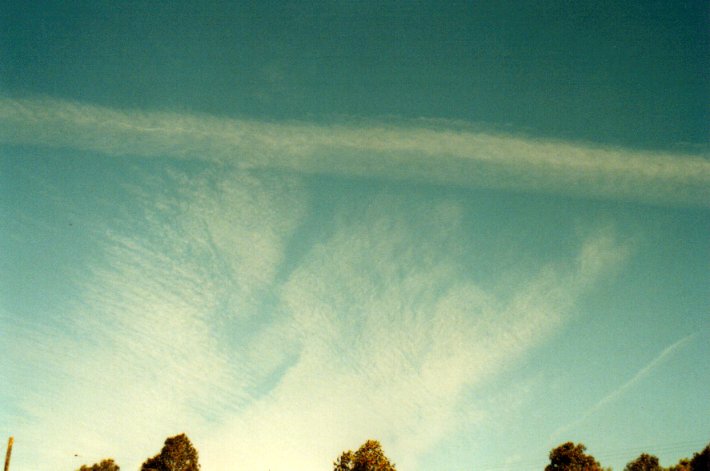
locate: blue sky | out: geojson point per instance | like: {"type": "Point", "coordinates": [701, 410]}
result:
{"type": "Point", "coordinates": [472, 231]}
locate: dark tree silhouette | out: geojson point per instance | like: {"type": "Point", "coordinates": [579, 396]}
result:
{"type": "Point", "coordinates": [571, 457]}
{"type": "Point", "coordinates": [701, 461]}
{"type": "Point", "coordinates": [178, 454]}
{"type": "Point", "coordinates": [683, 465]}
{"type": "Point", "coordinates": [369, 457]}
{"type": "Point", "coordinates": [104, 465]}
{"type": "Point", "coordinates": [644, 462]}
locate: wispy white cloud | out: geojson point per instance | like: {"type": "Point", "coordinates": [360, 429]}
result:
{"type": "Point", "coordinates": [143, 352]}
{"type": "Point", "coordinates": [446, 155]}
{"type": "Point", "coordinates": [625, 387]}
{"type": "Point", "coordinates": [389, 342]}
{"type": "Point", "coordinates": [377, 332]}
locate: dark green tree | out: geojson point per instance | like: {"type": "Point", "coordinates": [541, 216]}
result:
{"type": "Point", "coordinates": [701, 461]}
{"type": "Point", "coordinates": [369, 457]}
{"type": "Point", "coordinates": [644, 462]}
{"type": "Point", "coordinates": [177, 454]}
{"type": "Point", "coordinates": [683, 465]}
{"type": "Point", "coordinates": [104, 465]}
{"type": "Point", "coordinates": [571, 457]}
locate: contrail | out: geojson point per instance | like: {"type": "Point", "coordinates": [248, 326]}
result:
{"type": "Point", "coordinates": [437, 155]}
{"type": "Point", "coordinates": [643, 372]}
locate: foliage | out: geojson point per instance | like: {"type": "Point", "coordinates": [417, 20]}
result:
{"type": "Point", "coordinates": [644, 462]}
{"type": "Point", "coordinates": [683, 465]}
{"type": "Point", "coordinates": [178, 454]}
{"type": "Point", "coordinates": [104, 465]}
{"type": "Point", "coordinates": [701, 461]}
{"type": "Point", "coordinates": [571, 457]}
{"type": "Point", "coordinates": [369, 457]}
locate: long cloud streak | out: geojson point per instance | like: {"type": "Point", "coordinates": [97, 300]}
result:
{"type": "Point", "coordinates": [432, 155]}
{"type": "Point", "coordinates": [642, 373]}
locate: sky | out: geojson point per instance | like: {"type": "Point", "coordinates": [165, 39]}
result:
{"type": "Point", "coordinates": [470, 230]}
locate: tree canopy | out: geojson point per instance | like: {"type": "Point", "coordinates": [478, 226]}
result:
{"type": "Point", "coordinates": [644, 462]}
{"type": "Point", "coordinates": [683, 465]}
{"type": "Point", "coordinates": [571, 457]}
{"type": "Point", "coordinates": [177, 454]}
{"type": "Point", "coordinates": [104, 465]}
{"type": "Point", "coordinates": [701, 461]}
{"type": "Point", "coordinates": [369, 457]}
